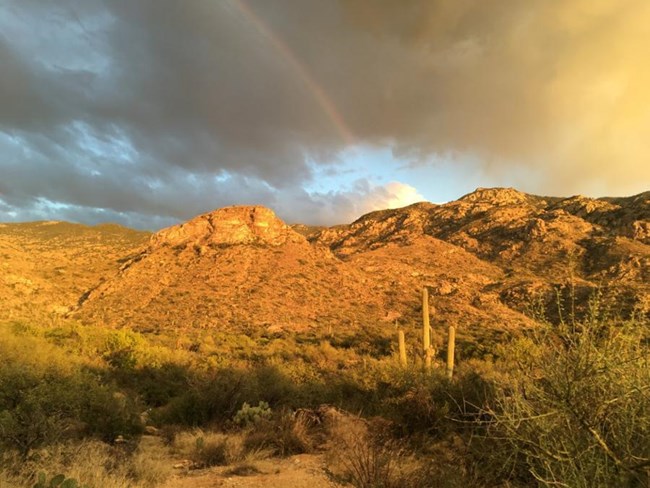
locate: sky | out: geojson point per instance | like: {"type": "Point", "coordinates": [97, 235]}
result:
{"type": "Point", "coordinates": [149, 112]}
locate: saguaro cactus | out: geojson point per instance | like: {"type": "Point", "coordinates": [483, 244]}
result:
{"type": "Point", "coordinates": [402, 348]}
{"type": "Point", "coordinates": [426, 329]}
{"type": "Point", "coordinates": [451, 346]}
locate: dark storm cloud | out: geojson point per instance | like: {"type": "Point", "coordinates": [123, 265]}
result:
{"type": "Point", "coordinates": [154, 110]}
{"type": "Point", "coordinates": [205, 115]}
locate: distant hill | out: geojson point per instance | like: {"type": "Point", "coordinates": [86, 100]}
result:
{"type": "Point", "coordinates": [486, 258]}
{"type": "Point", "coordinates": [45, 267]}
{"type": "Point", "coordinates": [537, 244]}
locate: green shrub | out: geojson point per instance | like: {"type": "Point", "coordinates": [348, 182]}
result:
{"type": "Point", "coordinates": [158, 385]}
{"type": "Point", "coordinates": [46, 396]}
{"type": "Point", "coordinates": [120, 349]}
{"type": "Point", "coordinates": [215, 397]}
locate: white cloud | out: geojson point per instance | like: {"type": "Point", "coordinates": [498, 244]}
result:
{"type": "Point", "coordinates": [400, 195]}
{"type": "Point", "coordinates": [344, 205]}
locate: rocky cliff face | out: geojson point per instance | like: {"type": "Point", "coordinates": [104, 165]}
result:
{"type": "Point", "coordinates": [228, 226]}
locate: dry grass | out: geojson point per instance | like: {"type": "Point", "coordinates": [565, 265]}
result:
{"type": "Point", "coordinates": [206, 448]}
{"type": "Point", "coordinates": [284, 435]}
{"type": "Point", "coordinates": [359, 453]}
{"type": "Point", "coordinates": [8, 481]}
{"type": "Point", "coordinates": [244, 468]}
{"type": "Point", "coordinates": [150, 465]}
{"type": "Point", "coordinates": [92, 463]}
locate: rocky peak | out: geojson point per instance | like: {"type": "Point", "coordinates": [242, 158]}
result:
{"type": "Point", "coordinates": [229, 226]}
{"type": "Point", "coordinates": [376, 228]}
{"type": "Point", "coordinates": [413, 211]}
{"type": "Point", "coordinates": [495, 196]}
{"type": "Point", "coordinates": [582, 206]}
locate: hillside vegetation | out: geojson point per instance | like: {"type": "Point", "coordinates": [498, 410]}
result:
{"type": "Point", "coordinates": [46, 267]}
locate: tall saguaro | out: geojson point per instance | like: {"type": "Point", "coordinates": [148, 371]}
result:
{"type": "Point", "coordinates": [402, 348]}
{"type": "Point", "coordinates": [426, 329]}
{"type": "Point", "coordinates": [451, 346]}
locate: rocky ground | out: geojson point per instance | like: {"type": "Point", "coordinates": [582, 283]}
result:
{"type": "Point", "coordinates": [300, 471]}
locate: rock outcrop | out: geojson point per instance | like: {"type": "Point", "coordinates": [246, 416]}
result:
{"type": "Point", "coordinates": [229, 226]}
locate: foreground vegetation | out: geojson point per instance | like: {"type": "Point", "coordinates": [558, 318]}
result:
{"type": "Point", "coordinates": [562, 405]}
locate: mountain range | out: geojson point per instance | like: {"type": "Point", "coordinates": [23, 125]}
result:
{"type": "Point", "coordinates": [488, 259]}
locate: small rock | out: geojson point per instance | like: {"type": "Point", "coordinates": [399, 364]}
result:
{"type": "Point", "coordinates": [445, 288]}
{"type": "Point", "coordinates": [151, 430]}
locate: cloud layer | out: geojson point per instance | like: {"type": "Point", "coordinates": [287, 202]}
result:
{"type": "Point", "coordinates": [151, 111]}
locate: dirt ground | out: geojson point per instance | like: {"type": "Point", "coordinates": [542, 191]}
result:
{"type": "Point", "coordinates": [300, 471]}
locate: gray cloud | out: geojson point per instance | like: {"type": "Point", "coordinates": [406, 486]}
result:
{"type": "Point", "coordinates": [151, 111]}
{"type": "Point", "coordinates": [551, 87]}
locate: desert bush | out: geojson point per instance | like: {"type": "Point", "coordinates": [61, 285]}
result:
{"type": "Point", "coordinates": [373, 341]}
{"type": "Point", "coordinates": [284, 434]}
{"type": "Point", "coordinates": [213, 398]}
{"type": "Point", "coordinates": [47, 395]}
{"type": "Point", "coordinates": [274, 385]}
{"type": "Point", "coordinates": [423, 403]}
{"type": "Point", "coordinates": [157, 385]}
{"type": "Point", "coordinates": [364, 455]}
{"type": "Point", "coordinates": [212, 452]}
{"type": "Point", "coordinates": [108, 414]}
{"type": "Point", "coordinates": [120, 349]}
{"type": "Point", "coordinates": [577, 407]}
{"type": "Point", "coordinates": [205, 448]}
{"type": "Point", "coordinates": [35, 409]}
{"type": "Point", "coordinates": [419, 406]}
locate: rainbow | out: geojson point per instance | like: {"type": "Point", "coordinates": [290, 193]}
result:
{"type": "Point", "coordinates": [319, 94]}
